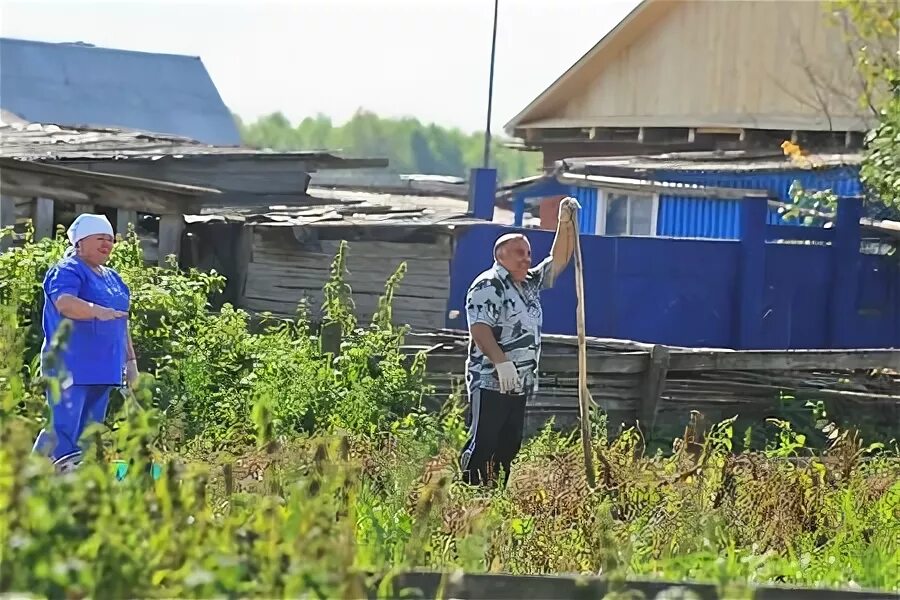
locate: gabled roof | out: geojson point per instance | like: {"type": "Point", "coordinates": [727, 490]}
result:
{"type": "Point", "coordinates": [82, 85]}
{"type": "Point", "coordinates": [683, 64]}
{"type": "Point", "coordinates": [626, 31]}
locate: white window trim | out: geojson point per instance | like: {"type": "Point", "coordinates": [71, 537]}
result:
{"type": "Point", "coordinates": [603, 201]}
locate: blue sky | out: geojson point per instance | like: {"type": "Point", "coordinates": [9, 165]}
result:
{"type": "Point", "coordinates": [422, 58]}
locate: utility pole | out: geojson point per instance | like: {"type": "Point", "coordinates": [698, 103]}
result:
{"type": "Point", "coordinates": [487, 128]}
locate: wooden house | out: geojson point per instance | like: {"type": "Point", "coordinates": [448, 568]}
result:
{"type": "Point", "coordinates": [693, 75]}
{"type": "Point", "coordinates": [687, 195]}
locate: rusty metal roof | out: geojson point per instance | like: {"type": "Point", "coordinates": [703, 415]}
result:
{"type": "Point", "coordinates": [49, 142]}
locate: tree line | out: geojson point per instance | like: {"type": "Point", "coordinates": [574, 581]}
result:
{"type": "Point", "coordinates": [410, 145]}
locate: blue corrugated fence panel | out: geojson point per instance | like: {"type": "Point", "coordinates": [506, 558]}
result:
{"type": "Point", "coordinates": [587, 216]}
{"type": "Point", "coordinates": [711, 218]}
{"type": "Point", "coordinates": [697, 217]}
{"type": "Point", "coordinates": [844, 181]}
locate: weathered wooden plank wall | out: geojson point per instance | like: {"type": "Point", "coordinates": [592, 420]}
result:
{"type": "Point", "coordinates": [717, 383]}
{"type": "Point", "coordinates": [280, 271]}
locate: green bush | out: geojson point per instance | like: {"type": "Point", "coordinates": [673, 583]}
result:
{"type": "Point", "coordinates": [210, 367]}
{"type": "Point", "coordinates": [291, 471]}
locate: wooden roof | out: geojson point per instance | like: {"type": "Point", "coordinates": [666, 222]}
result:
{"type": "Point", "coordinates": [29, 179]}
{"type": "Point", "coordinates": [754, 64]}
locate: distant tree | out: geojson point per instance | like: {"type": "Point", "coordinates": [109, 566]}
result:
{"type": "Point", "coordinates": [409, 145]}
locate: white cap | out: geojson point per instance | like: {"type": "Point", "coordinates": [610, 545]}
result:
{"type": "Point", "coordinates": [506, 237]}
{"type": "Point", "coordinates": [87, 224]}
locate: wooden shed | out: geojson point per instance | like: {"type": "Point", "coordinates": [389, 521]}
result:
{"type": "Point", "coordinates": [277, 256]}
{"type": "Point", "coordinates": [210, 176]}
{"type": "Point", "coordinates": [680, 75]}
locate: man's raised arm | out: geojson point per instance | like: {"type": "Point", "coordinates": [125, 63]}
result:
{"type": "Point", "coordinates": [564, 241]}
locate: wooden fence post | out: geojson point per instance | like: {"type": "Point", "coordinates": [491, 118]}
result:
{"type": "Point", "coordinates": [842, 317]}
{"type": "Point", "coordinates": [43, 218]}
{"type": "Point", "coordinates": [170, 229]}
{"type": "Point", "coordinates": [123, 218]}
{"type": "Point", "coordinates": [7, 218]}
{"type": "Point", "coordinates": [330, 338]}
{"type": "Point", "coordinates": [653, 386]}
{"type": "Point", "coordinates": [752, 273]}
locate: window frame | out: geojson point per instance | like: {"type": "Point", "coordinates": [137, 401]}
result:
{"type": "Point", "coordinates": [603, 205]}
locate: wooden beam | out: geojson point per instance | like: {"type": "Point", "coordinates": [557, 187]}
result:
{"type": "Point", "coordinates": [653, 385]}
{"type": "Point", "coordinates": [665, 135]}
{"type": "Point", "coordinates": [242, 258]}
{"type": "Point", "coordinates": [634, 362]}
{"type": "Point", "coordinates": [733, 122]}
{"type": "Point", "coordinates": [124, 217]}
{"type": "Point", "coordinates": [7, 218]}
{"type": "Point", "coordinates": [170, 229]}
{"type": "Point", "coordinates": [43, 215]}
{"type": "Point", "coordinates": [74, 186]}
{"type": "Point", "coordinates": [785, 360]}
{"type": "Point", "coordinates": [242, 174]}
{"type": "Point", "coordinates": [330, 339]}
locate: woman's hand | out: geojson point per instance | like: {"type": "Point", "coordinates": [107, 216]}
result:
{"type": "Point", "coordinates": [80, 310]}
{"type": "Point", "coordinates": [131, 372]}
{"type": "Point", "coordinates": [101, 313]}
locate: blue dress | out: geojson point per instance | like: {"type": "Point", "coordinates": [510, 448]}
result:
{"type": "Point", "coordinates": [92, 358]}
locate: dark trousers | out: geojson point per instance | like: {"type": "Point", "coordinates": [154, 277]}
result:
{"type": "Point", "coordinates": [496, 424]}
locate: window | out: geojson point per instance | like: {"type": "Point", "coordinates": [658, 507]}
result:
{"type": "Point", "coordinates": [627, 214]}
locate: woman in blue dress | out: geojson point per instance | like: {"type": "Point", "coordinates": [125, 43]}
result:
{"type": "Point", "coordinates": [98, 352]}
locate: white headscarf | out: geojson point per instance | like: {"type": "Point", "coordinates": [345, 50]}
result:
{"type": "Point", "coordinates": [87, 224]}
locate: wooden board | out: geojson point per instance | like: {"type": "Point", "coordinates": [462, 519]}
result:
{"type": "Point", "coordinates": [308, 260]}
{"type": "Point", "coordinates": [785, 360]}
{"type": "Point", "coordinates": [405, 311]}
{"type": "Point", "coordinates": [263, 277]}
{"type": "Point", "coordinates": [616, 379]}
{"type": "Point", "coordinates": [238, 174]}
{"type": "Point", "coordinates": [441, 248]}
{"type": "Point", "coordinates": [64, 184]}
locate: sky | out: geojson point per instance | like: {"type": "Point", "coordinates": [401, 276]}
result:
{"type": "Point", "coordinates": [427, 59]}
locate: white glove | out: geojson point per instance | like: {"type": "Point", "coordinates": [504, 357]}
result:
{"type": "Point", "coordinates": [567, 209]}
{"type": "Point", "coordinates": [131, 372]}
{"type": "Point", "coordinates": [508, 376]}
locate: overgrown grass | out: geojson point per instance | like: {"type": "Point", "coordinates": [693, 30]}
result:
{"type": "Point", "coordinates": [291, 472]}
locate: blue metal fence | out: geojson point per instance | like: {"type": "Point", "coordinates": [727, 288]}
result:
{"type": "Point", "coordinates": [745, 294]}
{"type": "Point", "coordinates": [719, 219]}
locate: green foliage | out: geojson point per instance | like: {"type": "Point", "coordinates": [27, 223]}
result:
{"type": "Point", "coordinates": [810, 207]}
{"type": "Point", "coordinates": [292, 471]}
{"type": "Point", "coordinates": [872, 31]}
{"type": "Point", "coordinates": [881, 170]}
{"type": "Point", "coordinates": [409, 145]}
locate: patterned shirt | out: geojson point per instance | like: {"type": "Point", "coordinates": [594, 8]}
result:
{"type": "Point", "coordinates": [515, 315]}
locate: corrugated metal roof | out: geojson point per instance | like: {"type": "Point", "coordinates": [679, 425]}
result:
{"type": "Point", "coordinates": [342, 208]}
{"type": "Point", "coordinates": [80, 84]}
{"type": "Point", "coordinates": [38, 141]}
